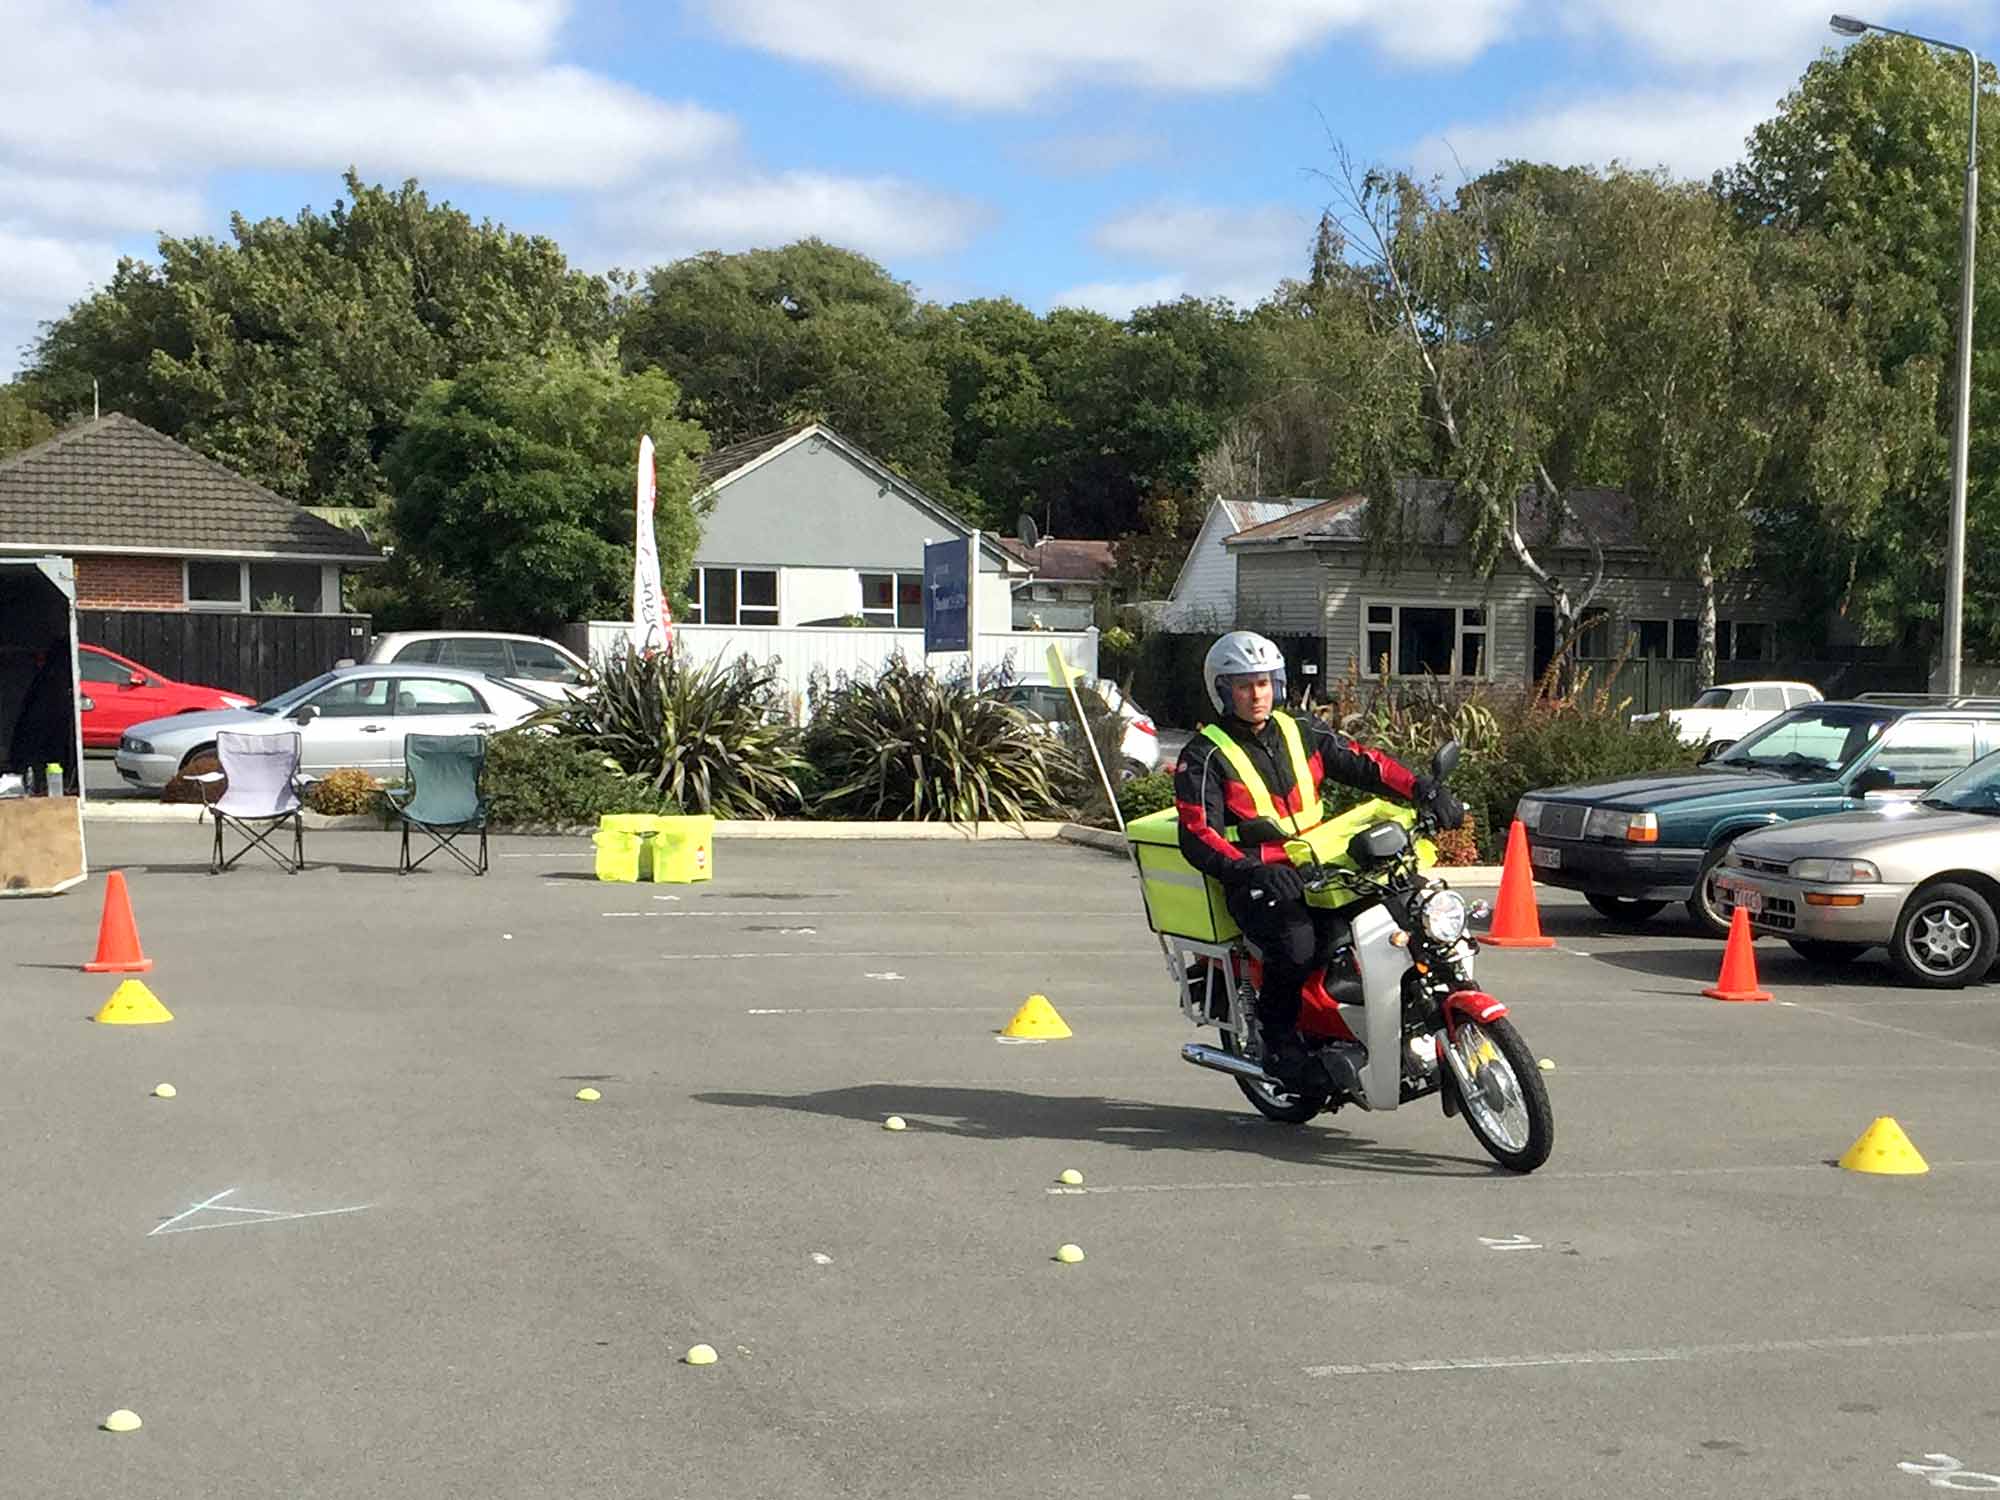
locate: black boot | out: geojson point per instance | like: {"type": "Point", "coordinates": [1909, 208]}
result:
{"type": "Point", "coordinates": [1339, 1064]}
{"type": "Point", "coordinates": [1286, 1060]}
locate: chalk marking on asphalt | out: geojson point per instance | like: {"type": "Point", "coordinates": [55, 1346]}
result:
{"type": "Point", "coordinates": [1347, 1181]}
{"type": "Point", "coordinates": [1922, 1036]}
{"type": "Point", "coordinates": [1671, 1353]}
{"type": "Point", "coordinates": [258, 1215]}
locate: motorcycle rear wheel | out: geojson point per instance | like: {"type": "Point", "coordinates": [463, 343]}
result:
{"type": "Point", "coordinates": [1274, 1103]}
{"type": "Point", "coordinates": [1508, 1106]}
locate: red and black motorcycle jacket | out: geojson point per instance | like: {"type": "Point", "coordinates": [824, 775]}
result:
{"type": "Point", "coordinates": [1212, 799]}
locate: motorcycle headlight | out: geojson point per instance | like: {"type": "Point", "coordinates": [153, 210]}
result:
{"type": "Point", "coordinates": [1444, 917]}
{"type": "Point", "coordinates": [1835, 871]}
{"type": "Point", "coordinates": [1528, 812]}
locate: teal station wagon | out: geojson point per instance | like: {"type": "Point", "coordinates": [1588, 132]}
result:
{"type": "Point", "coordinates": [1633, 844]}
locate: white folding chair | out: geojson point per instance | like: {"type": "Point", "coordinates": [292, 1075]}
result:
{"type": "Point", "coordinates": [260, 798]}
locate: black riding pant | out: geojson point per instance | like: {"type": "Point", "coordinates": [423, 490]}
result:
{"type": "Point", "coordinates": [1296, 940]}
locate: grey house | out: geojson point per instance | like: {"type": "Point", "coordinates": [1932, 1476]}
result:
{"type": "Point", "coordinates": [1428, 613]}
{"type": "Point", "coordinates": [802, 528]}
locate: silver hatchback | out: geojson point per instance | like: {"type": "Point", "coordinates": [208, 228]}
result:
{"type": "Point", "coordinates": [1916, 877]}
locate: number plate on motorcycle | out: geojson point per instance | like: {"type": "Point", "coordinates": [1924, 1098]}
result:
{"type": "Point", "coordinates": [1545, 858]}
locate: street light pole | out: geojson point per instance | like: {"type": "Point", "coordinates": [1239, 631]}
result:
{"type": "Point", "coordinates": [1954, 589]}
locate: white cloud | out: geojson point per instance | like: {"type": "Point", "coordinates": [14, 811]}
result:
{"type": "Point", "coordinates": [1703, 35]}
{"type": "Point", "coordinates": [1688, 131]}
{"type": "Point", "coordinates": [461, 88]}
{"type": "Point", "coordinates": [1212, 250]}
{"type": "Point", "coordinates": [44, 269]}
{"type": "Point", "coordinates": [1005, 57]}
{"type": "Point", "coordinates": [886, 217]}
{"type": "Point", "coordinates": [1116, 299]}
{"type": "Point", "coordinates": [104, 204]}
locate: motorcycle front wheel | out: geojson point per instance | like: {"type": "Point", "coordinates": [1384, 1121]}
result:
{"type": "Point", "coordinates": [1508, 1104]}
{"type": "Point", "coordinates": [1271, 1102]}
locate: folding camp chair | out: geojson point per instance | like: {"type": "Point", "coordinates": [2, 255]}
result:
{"type": "Point", "coordinates": [443, 799]}
{"type": "Point", "coordinates": [261, 797]}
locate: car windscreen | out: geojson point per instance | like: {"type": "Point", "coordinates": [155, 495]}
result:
{"type": "Point", "coordinates": [1819, 740]}
{"type": "Point", "coordinates": [1712, 698]}
{"type": "Point", "coordinates": [1976, 789]}
{"type": "Point", "coordinates": [293, 696]}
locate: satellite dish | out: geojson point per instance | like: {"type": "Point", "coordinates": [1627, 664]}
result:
{"type": "Point", "coordinates": [1029, 533]}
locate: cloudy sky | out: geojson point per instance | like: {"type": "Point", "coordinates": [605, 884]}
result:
{"type": "Point", "coordinates": [1102, 153]}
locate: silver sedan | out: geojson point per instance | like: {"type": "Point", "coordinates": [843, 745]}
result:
{"type": "Point", "coordinates": [351, 716]}
{"type": "Point", "coordinates": [1915, 877]}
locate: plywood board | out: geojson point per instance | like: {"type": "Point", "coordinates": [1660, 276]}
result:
{"type": "Point", "coordinates": [41, 845]}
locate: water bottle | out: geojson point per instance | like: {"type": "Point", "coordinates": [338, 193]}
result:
{"type": "Point", "coordinates": [55, 775]}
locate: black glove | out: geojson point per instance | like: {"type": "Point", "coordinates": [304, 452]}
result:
{"type": "Point", "coordinates": [1271, 882]}
{"type": "Point", "coordinates": [1435, 801]}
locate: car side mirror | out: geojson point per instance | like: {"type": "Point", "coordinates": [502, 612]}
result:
{"type": "Point", "coordinates": [135, 680]}
{"type": "Point", "coordinates": [1874, 779]}
{"type": "Point", "coordinates": [1445, 761]}
{"type": "Point", "coordinates": [88, 704]}
{"type": "Point", "coordinates": [304, 714]}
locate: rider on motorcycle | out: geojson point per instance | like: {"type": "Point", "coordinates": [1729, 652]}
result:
{"type": "Point", "coordinates": [1247, 758]}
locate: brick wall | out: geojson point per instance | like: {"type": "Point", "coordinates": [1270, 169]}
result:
{"type": "Point", "coordinates": [129, 583]}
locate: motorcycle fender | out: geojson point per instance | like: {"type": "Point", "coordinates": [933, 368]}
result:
{"type": "Point", "coordinates": [1471, 1005]}
{"type": "Point", "coordinates": [1379, 1020]}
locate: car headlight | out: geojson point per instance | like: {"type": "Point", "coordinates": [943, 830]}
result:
{"type": "Point", "coordinates": [1835, 871]}
{"type": "Point", "coordinates": [1528, 813]}
{"type": "Point", "coordinates": [1610, 823]}
{"type": "Point", "coordinates": [235, 700]}
{"type": "Point", "coordinates": [1444, 917]}
{"type": "Point", "coordinates": [135, 745]}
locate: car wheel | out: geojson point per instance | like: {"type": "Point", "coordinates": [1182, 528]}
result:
{"type": "Point", "coordinates": [1945, 938]}
{"type": "Point", "coordinates": [196, 762]}
{"type": "Point", "coordinates": [1825, 955]}
{"type": "Point", "coordinates": [1130, 769]}
{"type": "Point", "coordinates": [1701, 905]}
{"type": "Point", "coordinates": [1624, 908]}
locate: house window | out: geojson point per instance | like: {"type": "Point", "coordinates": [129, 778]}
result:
{"type": "Point", "coordinates": [1651, 638]}
{"type": "Point", "coordinates": [215, 585]}
{"type": "Point", "coordinates": [1439, 640]}
{"type": "Point", "coordinates": [1735, 640]}
{"type": "Point", "coordinates": [733, 596]}
{"type": "Point", "coordinates": [893, 601]}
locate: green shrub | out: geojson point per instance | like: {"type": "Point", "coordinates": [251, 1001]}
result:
{"type": "Point", "coordinates": [1146, 794]}
{"type": "Point", "coordinates": [348, 790]}
{"type": "Point", "coordinates": [907, 745]}
{"type": "Point", "coordinates": [713, 738]}
{"type": "Point", "coordinates": [534, 777]}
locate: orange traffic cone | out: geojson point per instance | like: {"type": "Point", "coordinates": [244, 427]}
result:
{"type": "Point", "coordinates": [118, 950]}
{"type": "Point", "coordinates": [1516, 923]}
{"type": "Point", "coordinates": [1739, 965]}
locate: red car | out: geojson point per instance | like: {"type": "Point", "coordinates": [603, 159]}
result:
{"type": "Point", "coordinates": [121, 693]}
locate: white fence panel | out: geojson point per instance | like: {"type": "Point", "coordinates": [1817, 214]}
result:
{"type": "Point", "coordinates": [799, 652]}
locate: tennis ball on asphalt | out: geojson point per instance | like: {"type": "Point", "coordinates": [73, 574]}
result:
{"type": "Point", "coordinates": [1071, 1177]}
{"type": "Point", "coordinates": [895, 1122]}
{"type": "Point", "coordinates": [1069, 1255]}
{"type": "Point", "coordinates": [700, 1354]}
{"type": "Point", "coordinates": [588, 1096]}
{"type": "Point", "coordinates": [164, 1091]}
{"type": "Point", "coordinates": [122, 1420]}
{"type": "Point", "coordinates": [1546, 1065]}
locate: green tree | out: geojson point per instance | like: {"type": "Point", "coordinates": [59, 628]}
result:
{"type": "Point", "coordinates": [514, 485]}
{"type": "Point", "coordinates": [22, 424]}
{"type": "Point", "coordinates": [1858, 181]}
{"type": "Point", "coordinates": [294, 351]}
{"type": "Point", "coordinates": [767, 338]}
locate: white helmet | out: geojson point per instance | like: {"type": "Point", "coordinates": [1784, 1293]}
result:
{"type": "Point", "coordinates": [1238, 653]}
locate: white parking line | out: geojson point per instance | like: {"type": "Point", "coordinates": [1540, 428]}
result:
{"type": "Point", "coordinates": [1673, 1353]}
{"type": "Point", "coordinates": [1926, 1036]}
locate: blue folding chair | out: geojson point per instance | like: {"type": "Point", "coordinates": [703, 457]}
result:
{"type": "Point", "coordinates": [443, 799]}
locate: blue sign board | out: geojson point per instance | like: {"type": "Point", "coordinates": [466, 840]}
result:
{"type": "Point", "coordinates": [947, 595]}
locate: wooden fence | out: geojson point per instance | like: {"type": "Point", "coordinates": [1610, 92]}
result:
{"type": "Point", "coordinates": [259, 655]}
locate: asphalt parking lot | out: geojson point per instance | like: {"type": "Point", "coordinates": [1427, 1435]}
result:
{"type": "Point", "coordinates": [376, 1248]}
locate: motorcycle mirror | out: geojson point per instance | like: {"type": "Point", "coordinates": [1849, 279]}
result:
{"type": "Point", "coordinates": [1261, 831]}
{"type": "Point", "coordinates": [1446, 760]}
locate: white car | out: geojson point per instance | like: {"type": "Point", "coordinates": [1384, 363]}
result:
{"type": "Point", "coordinates": [1139, 751]}
{"type": "Point", "coordinates": [1722, 715]}
{"type": "Point", "coordinates": [532, 661]}
{"type": "Point", "coordinates": [351, 716]}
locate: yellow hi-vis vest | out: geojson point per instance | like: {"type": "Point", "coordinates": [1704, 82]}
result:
{"type": "Point", "coordinates": [1309, 822]}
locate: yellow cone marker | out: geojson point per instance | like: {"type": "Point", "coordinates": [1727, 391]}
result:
{"type": "Point", "coordinates": [1070, 1177]}
{"type": "Point", "coordinates": [700, 1354]}
{"type": "Point", "coordinates": [132, 1004]}
{"type": "Point", "coordinates": [895, 1122]}
{"type": "Point", "coordinates": [122, 1420]}
{"type": "Point", "coordinates": [1069, 1255]}
{"type": "Point", "coordinates": [164, 1091]}
{"type": "Point", "coordinates": [1037, 1019]}
{"type": "Point", "coordinates": [588, 1096]}
{"type": "Point", "coordinates": [1884, 1149]}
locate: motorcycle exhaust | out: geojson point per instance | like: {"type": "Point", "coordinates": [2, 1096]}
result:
{"type": "Point", "coordinates": [1203, 1056]}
